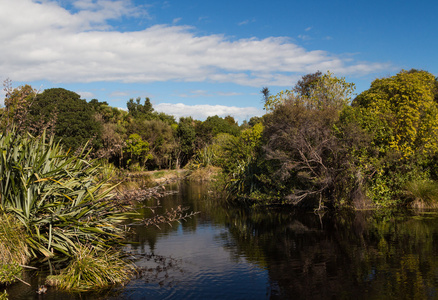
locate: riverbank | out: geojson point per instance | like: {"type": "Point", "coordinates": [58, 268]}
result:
{"type": "Point", "coordinates": [166, 176]}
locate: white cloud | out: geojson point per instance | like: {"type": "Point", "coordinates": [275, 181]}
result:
{"type": "Point", "coordinates": [44, 41]}
{"type": "Point", "coordinates": [117, 94]}
{"type": "Point", "coordinates": [201, 112]}
{"type": "Point", "coordinates": [246, 22]}
{"type": "Point", "coordinates": [86, 95]}
{"type": "Point", "coordinates": [304, 37]}
{"type": "Point", "coordinates": [205, 93]}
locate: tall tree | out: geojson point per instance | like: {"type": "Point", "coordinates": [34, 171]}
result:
{"type": "Point", "coordinates": [138, 110]}
{"type": "Point", "coordinates": [406, 102]}
{"type": "Point", "coordinates": [186, 135]}
{"type": "Point", "coordinates": [75, 123]}
{"type": "Point", "coordinates": [305, 158]}
{"type": "Point", "coordinates": [17, 102]}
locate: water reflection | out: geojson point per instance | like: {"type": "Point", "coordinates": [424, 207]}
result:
{"type": "Point", "coordinates": [234, 253]}
{"type": "Point", "coordinates": [301, 255]}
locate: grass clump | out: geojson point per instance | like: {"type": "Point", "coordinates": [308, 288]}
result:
{"type": "Point", "coordinates": [205, 174]}
{"type": "Point", "coordinates": [92, 269]}
{"type": "Point", "coordinates": [13, 247]}
{"type": "Point", "coordinates": [423, 193]}
{"type": "Point", "coordinates": [13, 250]}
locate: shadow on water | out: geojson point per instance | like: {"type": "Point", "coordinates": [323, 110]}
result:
{"type": "Point", "coordinates": [236, 253]}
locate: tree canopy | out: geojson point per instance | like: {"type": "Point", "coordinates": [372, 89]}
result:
{"type": "Point", "coordinates": [406, 102]}
{"type": "Point", "coordinates": [73, 117]}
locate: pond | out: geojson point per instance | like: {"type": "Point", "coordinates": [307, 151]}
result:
{"type": "Point", "coordinates": [229, 253]}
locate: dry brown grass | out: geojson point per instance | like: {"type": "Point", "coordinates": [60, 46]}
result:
{"type": "Point", "coordinates": [204, 174]}
{"type": "Point", "coordinates": [13, 248]}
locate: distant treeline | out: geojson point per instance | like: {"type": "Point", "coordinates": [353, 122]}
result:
{"type": "Point", "coordinates": [137, 139]}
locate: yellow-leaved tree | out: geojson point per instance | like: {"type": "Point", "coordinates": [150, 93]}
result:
{"type": "Point", "coordinates": [406, 102]}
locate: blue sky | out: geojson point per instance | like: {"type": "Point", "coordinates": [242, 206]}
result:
{"type": "Point", "coordinates": [204, 58]}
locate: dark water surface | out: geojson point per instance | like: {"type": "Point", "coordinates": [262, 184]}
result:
{"type": "Point", "coordinates": [230, 253]}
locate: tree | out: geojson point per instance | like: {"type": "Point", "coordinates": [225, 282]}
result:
{"type": "Point", "coordinates": [238, 157]}
{"type": "Point", "coordinates": [17, 102]}
{"type": "Point", "coordinates": [305, 159]}
{"type": "Point", "coordinates": [137, 149]}
{"type": "Point", "coordinates": [138, 110]}
{"type": "Point", "coordinates": [73, 117]}
{"type": "Point", "coordinates": [400, 114]}
{"type": "Point", "coordinates": [307, 84]}
{"type": "Point", "coordinates": [407, 103]}
{"type": "Point", "coordinates": [315, 91]}
{"type": "Point", "coordinates": [161, 139]}
{"type": "Point", "coordinates": [214, 125]}
{"type": "Point", "coordinates": [186, 135]}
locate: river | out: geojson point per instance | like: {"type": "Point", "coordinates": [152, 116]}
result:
{"type": "Point", "coordinates": [226, 252]}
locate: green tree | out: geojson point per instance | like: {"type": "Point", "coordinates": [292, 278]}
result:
{"type": "Point", "coordinates": [406, 103]}
{"type": "Point", "coordinates": [238, 157]}
{"type": "Point", "coordinates": [73, 117]}
{"type": "Point", "coordinates": [315, 91]}
{"type": "Point", "coordinates": [161, 138]}
{"type": "Point", "coordinates": [137, 149]}
{"type": "Point", "coordinates": [186, 135]}
{"type": "Point", "coordinates": [138, 110]}
{"type": "Point", "coordinates": [400, 115]}
{"type": "Point", "coordinates": [212, 126]}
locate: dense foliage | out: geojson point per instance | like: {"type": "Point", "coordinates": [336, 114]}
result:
{"type": "Point", "coordinates": [316, 146]}
{"type": "Point", "coordinates": [318, 150]}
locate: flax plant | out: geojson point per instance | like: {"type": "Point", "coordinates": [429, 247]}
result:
{"type": "Point", "coordinates": [55, 195]}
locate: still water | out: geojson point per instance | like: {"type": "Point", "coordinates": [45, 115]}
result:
{"type": "Point", "coordinates": [230, 253]}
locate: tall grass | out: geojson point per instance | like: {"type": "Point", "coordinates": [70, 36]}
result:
{"type": "Point", "coordinates": [13, 247]}
{"type": "Point", "coordinates": [422, 193]}
{"type": "Point", "coordinates": [92, 269]}
{"type": "Point", "coordinates": [55, 196]}
{"type": "Point", "coordinates": [13, 250]}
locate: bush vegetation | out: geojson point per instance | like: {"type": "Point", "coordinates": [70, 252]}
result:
{"type": "Point", "coordinates": [317, 145]}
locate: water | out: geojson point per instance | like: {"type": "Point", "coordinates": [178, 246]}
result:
{"type": "Point", "coordinates": [230, 253]}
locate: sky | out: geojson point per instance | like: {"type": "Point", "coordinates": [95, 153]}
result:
{"type": "Point", "coordinates": [202, 58]}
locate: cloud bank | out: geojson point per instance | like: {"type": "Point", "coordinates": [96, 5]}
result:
{"type": "Point", "coordinates": [43, 40]}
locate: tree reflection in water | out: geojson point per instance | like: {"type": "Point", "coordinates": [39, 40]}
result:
{"type": "Point", "coordinates": [362, 255]}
